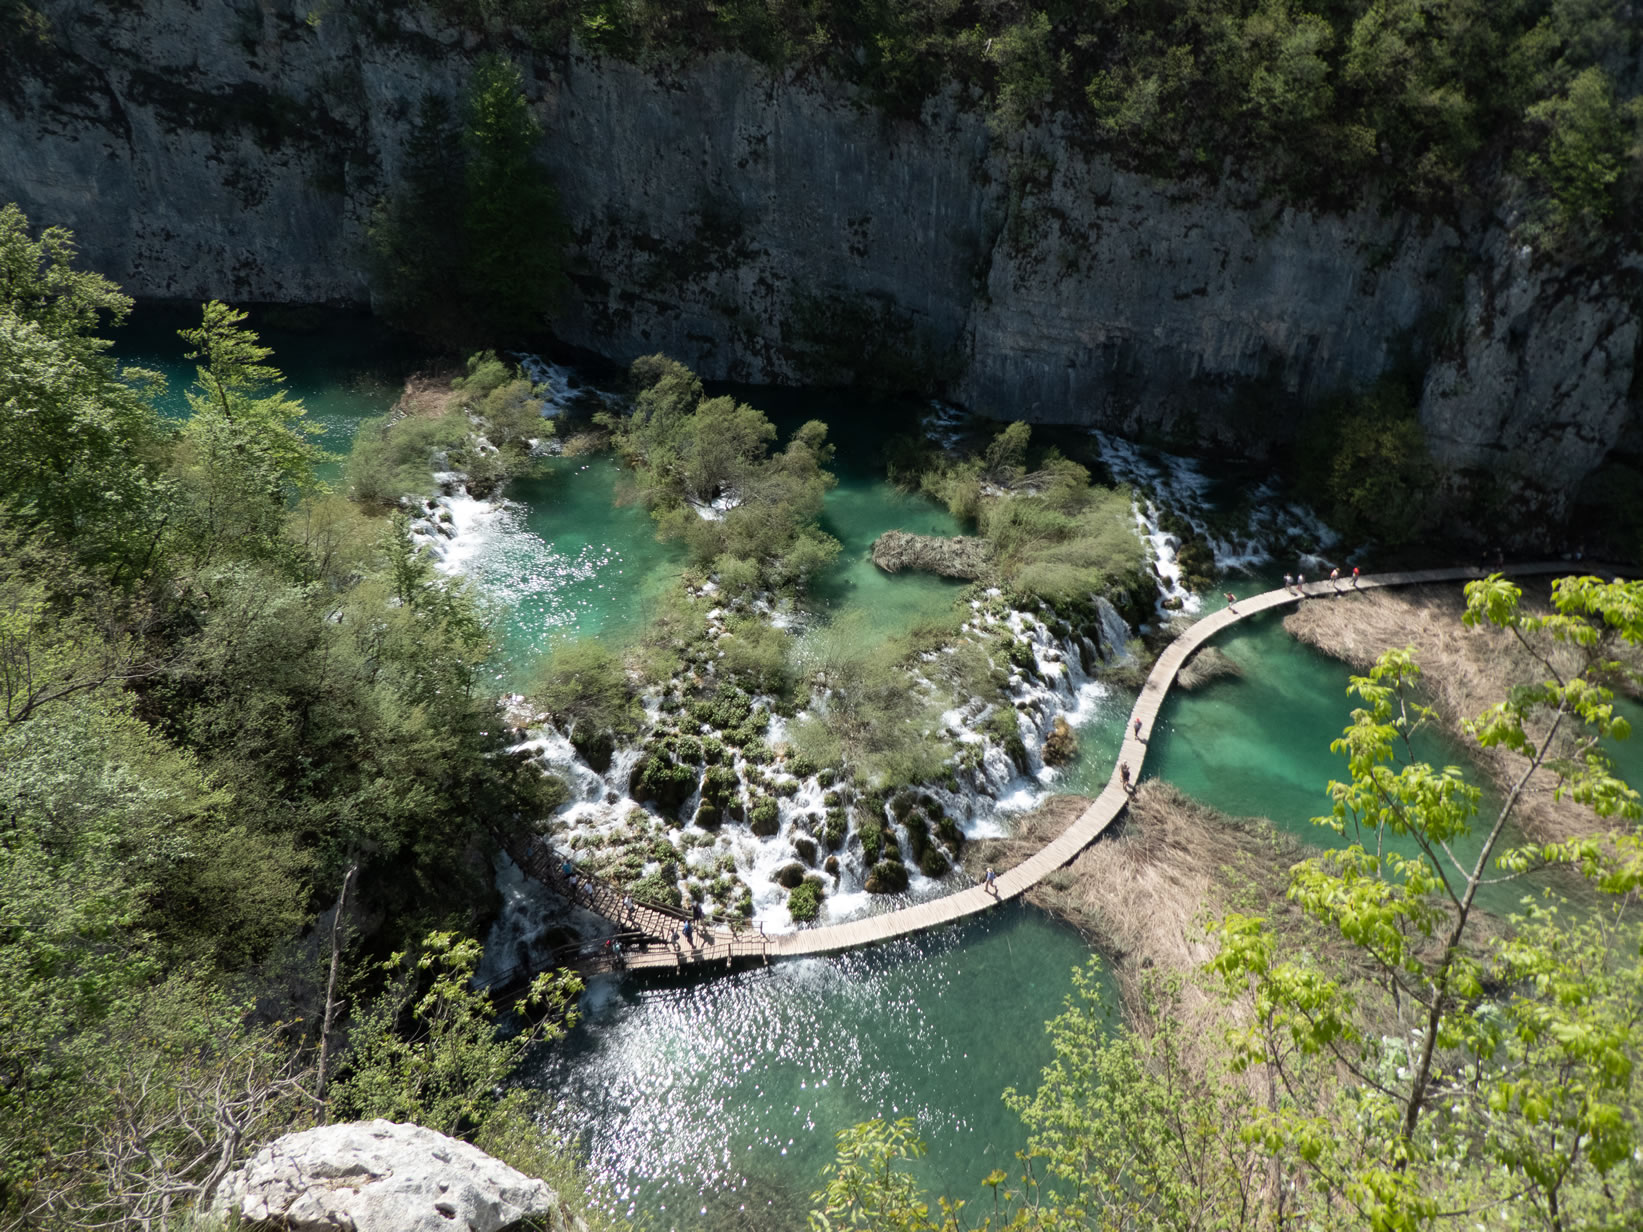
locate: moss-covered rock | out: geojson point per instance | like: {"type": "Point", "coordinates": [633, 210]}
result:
{"type": "Point", "coordinates": [720, 786]}
{"type": "Point", "coordinates": [837, 829]}
{"type": "Point", "coordinates": [804, 903]}
{"type": "Point", "coordinates": [765, 817]}
{"type": "Point", "coordinates": [832, 866]}
{"type": "Point", "coordinates": [789, 875]}
{"type": "Point", "coordinates": [932, 863]}
{"type": "Point", "coordinates": [1061, 745]}
{"type": "Point", "coordinates": [870, 830]}
{"type": "Point", "coordinates": [806, 847]}
{"type": "Point", "coordinates": [594, 745]}
{"type": "Point", "coordinates": [660, 779]}
{"type": "Point", "coordinates": [709, 816]}
{"type": "Point", "coordinates": [887, 877]}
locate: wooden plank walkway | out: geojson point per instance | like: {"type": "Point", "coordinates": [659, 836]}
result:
{"type": "Point", "coordinates": [723, 949]}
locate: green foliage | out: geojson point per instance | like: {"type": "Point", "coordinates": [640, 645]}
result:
{"type": "Point", "coordinates": [222, 687]}
{"type": "Point", "coordinates": [689, 452]}
{"type": "Point", "coordinates": [447, 1069]}
{"type": "Point", "coordinates": [874, 723]}
{"type": "Point", "coordinates": [583, 683]}
{"type": "Point", "coordinates": [1412, 919]}
{"type": "Point", "coordinates": [392, 459]}
{"type": "Point", "coordinates": [468, 252]}
{"type": "Point", "coordinates": [657, 888]}
{"type": "Point", "coordinates": [80, 441]}
{"type": "Point", "coordinates": [805, 900]}
{"type": "Point", "coordinates": [1587, 138]}
{"type": "Point", "coordinates": [246, 451]}
{"type": "Point", "coordinates": [1365, 459]}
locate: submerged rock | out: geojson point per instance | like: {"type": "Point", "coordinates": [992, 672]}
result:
{"type": "Point", "coordinates": [380, 1176]}
{"type": "Point", "coordinates": [961, 556]}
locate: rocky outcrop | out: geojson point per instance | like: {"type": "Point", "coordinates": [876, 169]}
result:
{"type": "Point", "coordinates": [379, 1176]}
{"type": "Point", "coordinates": [960, 556]}
{"type": "Point", "coordinates": [772, 228]}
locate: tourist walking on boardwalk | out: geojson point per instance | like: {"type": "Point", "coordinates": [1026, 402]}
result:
{"type": "Point", "coordinates": [1354, 577]}
{"type": "Point", "coordinates": [992, 881]}
{"type": "Point", "coordinates": [1138, 729]}
{"type": "Point", "coordinates": [1124, 774]}
{"type": "Point", "coordinates": [1232, 601]}
{"type": "Point", "coordinates": [687, 931]}
{"type": "Point", "coordinates": [627, 906]}
{"type": "Point", "coordinates": [1300, 584]}
{"type": "Point", "coordinates": [1289, 582]}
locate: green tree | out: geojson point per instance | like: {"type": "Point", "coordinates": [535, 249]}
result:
{"type": "Point", "coordinates": [513, 275]}
{"type": "Point", "coordinates": [447, 1070]}
{"type": "Point", "coordinates": [80, 440]}
{"type": "Point", "coordinates": [417, 235]}
{"type": "Point", "coordinates": [248, 451]}
{"type": "Point", "coordinates": [1586, 144]}
{"type": "Point", "coordinates": [1428, 1096]}
{"type": "Point", "coordinates": [467, 253]}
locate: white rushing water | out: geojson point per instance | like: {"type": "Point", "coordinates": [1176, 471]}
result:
{"type": "Point", "coordinates": [1263, 528]}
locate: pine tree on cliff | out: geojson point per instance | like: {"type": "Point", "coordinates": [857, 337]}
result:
{"type": "Point", "coordinates": [467, 253]}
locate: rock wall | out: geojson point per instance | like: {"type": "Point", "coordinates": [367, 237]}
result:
{"type": "Point", "coordinates": [773, 229]}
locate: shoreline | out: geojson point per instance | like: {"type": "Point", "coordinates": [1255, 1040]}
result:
{"type": "Point", "coordinates": [1463, 672]}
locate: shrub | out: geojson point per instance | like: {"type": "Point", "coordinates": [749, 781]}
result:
{"type": "Point", "coordinates": [657, 888]}
{"type": "Point", "coordinates": [765, 817]}
{"type": "Point", "coordinates": [582, 682]}
{"type": "Point", "coordinates": [804, 903]}
{"type": "Point", "coordinates": [801, 766]}
{"type": "Point", "coordinates": [708, 816]}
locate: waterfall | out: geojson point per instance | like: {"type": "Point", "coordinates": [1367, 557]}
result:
{"type": "Point", "coordinates": [1264, 526]}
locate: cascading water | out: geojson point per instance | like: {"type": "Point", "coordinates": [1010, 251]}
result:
{"type": "Point", "coordinates": [1264, 527]}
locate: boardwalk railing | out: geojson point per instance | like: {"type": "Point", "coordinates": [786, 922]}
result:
{"type": "Point", "coordinates": [722, 946]}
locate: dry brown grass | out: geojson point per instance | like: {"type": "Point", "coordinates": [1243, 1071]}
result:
{"type": "Point", "coordinates": [1142, 894]}
{"type": "Point", "coordinates": [1464, 672]}
{"type": "Point", "coordinates": [427, 395]}
{"type": "Point", "coordinates": [1208, 664]}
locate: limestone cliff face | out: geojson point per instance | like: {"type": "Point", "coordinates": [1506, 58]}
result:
{"type": "Point", "coordinates": [766, 228]}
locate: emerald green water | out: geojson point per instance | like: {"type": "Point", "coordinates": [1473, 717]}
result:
{"type": "Point", "coordinates": [568, 562]}
{"type": "Point", "coordinates": [714, 1104]}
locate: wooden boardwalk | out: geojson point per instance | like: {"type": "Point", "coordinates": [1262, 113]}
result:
{"type": "Point", "coordinates": [721, 949]}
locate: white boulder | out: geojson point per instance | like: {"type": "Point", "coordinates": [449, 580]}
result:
{"type": "Point", "coordinates": [379, 1176]}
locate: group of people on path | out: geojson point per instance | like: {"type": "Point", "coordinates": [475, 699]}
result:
{"type": "Point", "coordinates": [1295, 583]}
